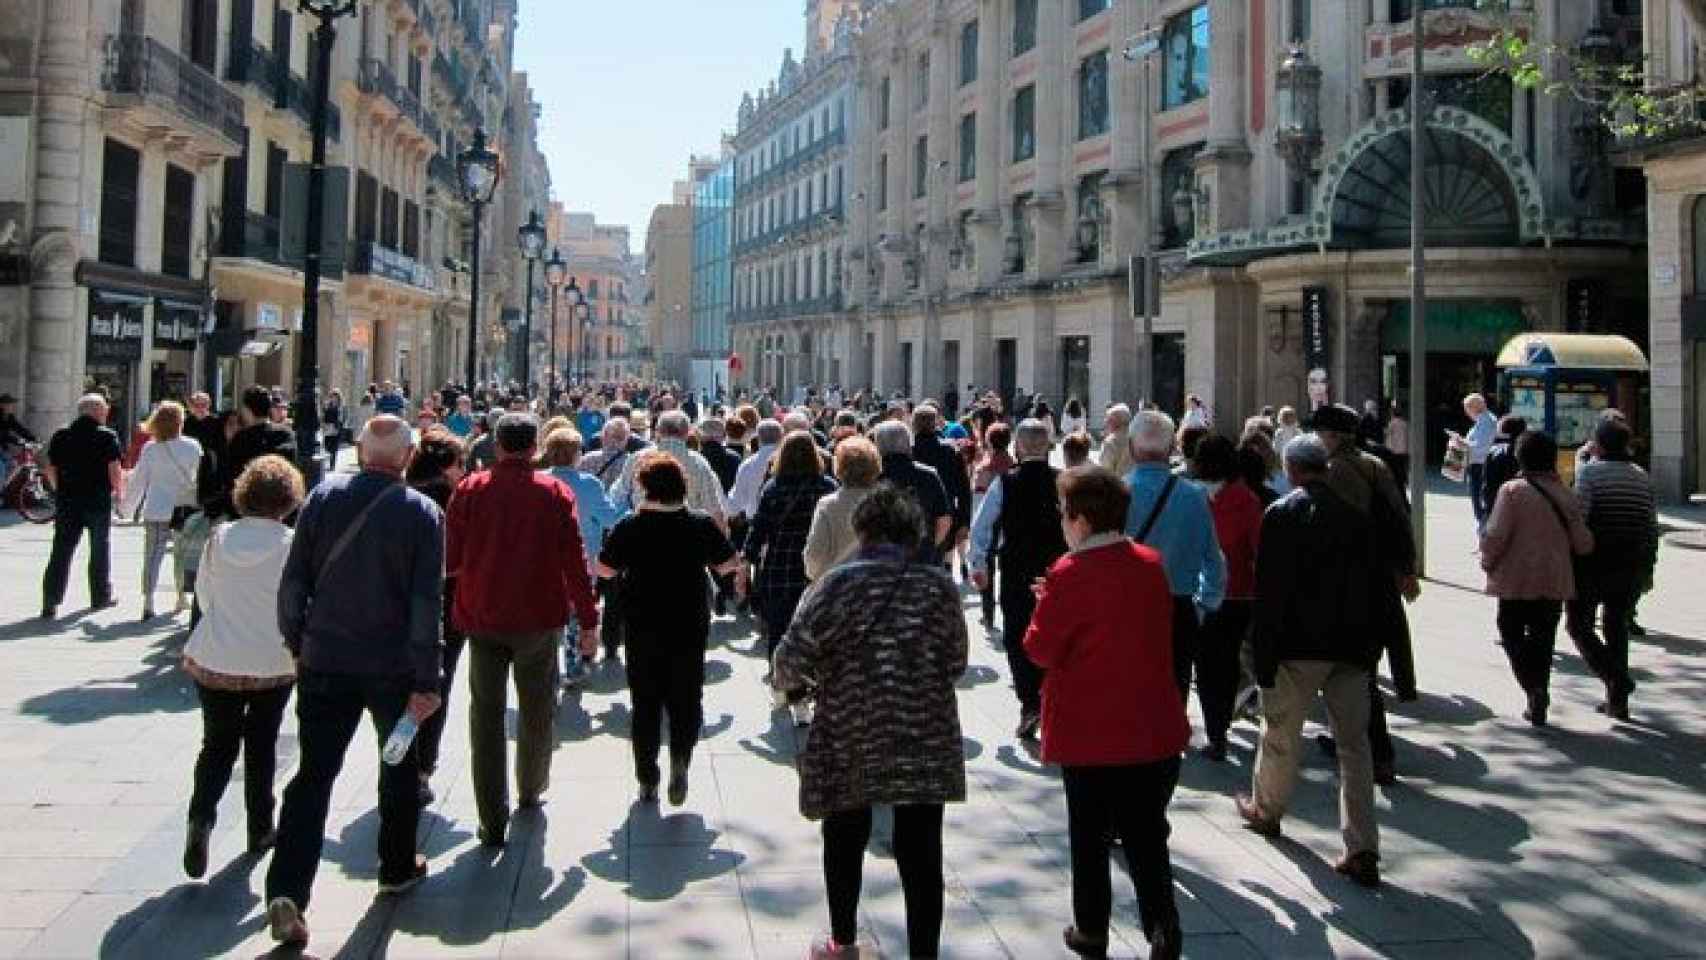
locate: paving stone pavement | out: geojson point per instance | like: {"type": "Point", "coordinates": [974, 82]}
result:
{"type": "Point", "coordinates": [1501, 841]}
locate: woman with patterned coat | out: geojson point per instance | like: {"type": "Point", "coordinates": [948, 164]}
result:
{"type": "Point", "coordinates": [882, 642]}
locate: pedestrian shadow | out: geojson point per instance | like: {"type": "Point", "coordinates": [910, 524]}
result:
{"type": "Point", "coordinates": [356, 848]}
{"type": "Point", "coordinates": [1455, 710]}
{"type": "Point", "coordinates": [658, 873]}
{"type": "Point", "coordinates": [717, 671]}
{"type": "Point", "coordinates": [127, 630]}
{"type": "Point", "coordinates": [576, 725]}
{"type": "Point", "coordinates": [202, 919]}
{"type": "Point", "coordinates": [159, 687]}
{"type": "Point", "coordinates": [722, 725]}
{"type": "Point", "coordinates": [779, 744]}
{"type": "Point", "coordinates": [1027, 761]}
{"type": "Point", "coordinates": [977, 675]}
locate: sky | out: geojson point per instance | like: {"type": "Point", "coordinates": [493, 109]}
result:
{"type": "Point", "coordinates": [630, 88]}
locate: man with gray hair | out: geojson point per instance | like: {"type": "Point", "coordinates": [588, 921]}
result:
{"type": "Point", "coordinates": [1115, 455]}
{"type": "Point", "coordinates": [1171, 514]}
{"type": "Point", "coordinates": [930, 448]}
{"type": "Point", "coordinates": [1312, 634]}
{"type": "Point", "coordinates": [84, 469]}
{"type": "Point", "coordinates": [749, 479]}
{"type": "Point", "coordinates": [704, 490]}
{"type": "Point", "coordinates": [1019, 519]}
{"type": "Point", "coordinates": [894, 443]}
{"type": "Point", "coordinates": [359, 605]}
{"type": "Point", "coordinates": [607, 462]}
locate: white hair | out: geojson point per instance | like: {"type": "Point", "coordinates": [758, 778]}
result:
{"type": "Point", "coordinates": [616, 431]}
{"type": "Point", "coordinates": [1306, 453]}
{"type": "Point", "coordinates": [891, 437]}
{"type": "Point", "coordinates": [673, 423]}
{"type": "Point", "coordinates": [1120, 414]}
{"type": "Point", "coordinates": [1032, 439]}
{"type": "Point", "coordinates": [386, 439]}
{"type": "Point", "coordinates": [795, 420]}
{"type": "Point", "coordinates": [88, 403]}
{"type": "Point", "coordinates": [1152, 435]}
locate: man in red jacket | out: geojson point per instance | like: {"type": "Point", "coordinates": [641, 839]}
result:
{"type": "Point", "coordinates": [514, 546]}
{"type": "Point", "coordinates": [1112, 717]}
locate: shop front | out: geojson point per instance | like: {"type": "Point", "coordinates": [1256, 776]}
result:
{"type": "Point", "coordinates": [177, 327]}
{"type": "Point", "coordinates": [113, 355]}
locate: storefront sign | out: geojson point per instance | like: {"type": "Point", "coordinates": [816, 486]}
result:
{"type": "Point", "coordinates": [1317, 346]}
{"type": "Point", "coordinates": [115, 327]}
{"type": "Point", "coordinates": [177, 325]}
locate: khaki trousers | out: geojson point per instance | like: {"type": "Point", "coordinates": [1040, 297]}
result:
{"type": "Point", "coordinates": [490, 659]}
{"type": "Point", "coordinates": [1345, 688]}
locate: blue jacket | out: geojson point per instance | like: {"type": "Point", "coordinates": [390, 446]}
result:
{"type": "Point", "coordinates": [593, 507]}
{"type": "Point", "coordinates": [1184, 534]}
{"type": "Point", "coordinates": [378, 612]}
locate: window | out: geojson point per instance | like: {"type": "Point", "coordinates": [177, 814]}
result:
{"type": "Point", "coordinates": [201, 33]}
{"type": "Point", "coordinates": [274, 197]}
{"type": "Point", "coordinates": [1089, 8]}
{"type": "Point", "coordinates": [1300, 19]}
{"type": "Point", "coordinates": [1024, 26]}
{"type": "Point", "coordinates": [968, 53]}
{"type": "Point", "coordinates": [1025, 124]}
{"type": "Point", "coordinates": [968, 147]}
{"type": "Point", "coordinates": [1093, 96]}
{"type": "Point", "coordinates": [1485, 95]}
{"type": "Point", "coordinates": [592, 289]}
{"type": "Point", "coordinates": [883, 182]}
{"type": "Point", "coordinates": [1401, 8]}
{"type": "Point", "coordinates": [1184, 65]}
{"type": "Point", "coordinates": [1178, 172]}
{"type": "Point", "coordinates": [920, 167]}
{"type": "Point", "coordinates": [388, 223]}
{"type": "Point", "coordinates": [1089, 205]}
{"type": "Point", "coordinates": [179, 221]}
{"type": "Point", "coordinates": [366, 208]}
{"type": "Point", "coordinates": [411, 230]}
{"type": "Point", "coordinates": [883, 104]}
{"type": "Point", "coordinates": [415, 73]}
{"type": "Point", "coordinates": [921, 85]}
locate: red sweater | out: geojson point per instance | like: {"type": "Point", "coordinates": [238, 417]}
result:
{"type": "Point", "coordinates": [1238, 526]}
{"type": "Point", "coordinates": [1103, 631]}
{"type": "Point", "coordinates": [514, 546]}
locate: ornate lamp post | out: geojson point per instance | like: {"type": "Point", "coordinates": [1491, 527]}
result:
{"type": "Point", "coordinates": [308, 347]}
{"type": "Point", "coordinates": [477, 176]}
{"type": "Point", "coordinates": [583, 313]}
{"type": "Point", "coordinates": [531, 238]}
{"type": "Point", "coordinates": [556, 271]}
{"type": "Point", "coordinates": [1298, 85]}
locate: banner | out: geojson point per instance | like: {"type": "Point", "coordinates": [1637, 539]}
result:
{"type": "Point", "coordinates": [1317, 346]}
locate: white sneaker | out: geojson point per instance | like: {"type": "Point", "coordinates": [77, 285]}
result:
{"type": "Point", "coordinates": [286, 922]}
{"type": "Point", "coordinates": [802, 713]}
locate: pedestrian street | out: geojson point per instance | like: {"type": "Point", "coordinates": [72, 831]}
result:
{"type": "Point", "coordinates": [1499, 841]}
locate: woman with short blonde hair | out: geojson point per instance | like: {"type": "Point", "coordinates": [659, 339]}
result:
{"type": "Point", "coordinates": [163, 486]}
{"type": "Point", "coordinates": [831, 540]}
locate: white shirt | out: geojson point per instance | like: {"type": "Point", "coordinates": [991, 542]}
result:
{"type": "Point", "coordinates": [237, 587]}
{"type": "Point", "coordinates": [164, 478]}
{"type": "Point", "coordinates": [1070, 424]}
{"type": "Point", "coordinates": [749, 482]}
{"type": "Point", "coordinates": [704, 490]}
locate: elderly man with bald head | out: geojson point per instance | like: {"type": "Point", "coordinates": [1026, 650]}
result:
{"type": "Point", "coordinates": [359, 606]}
{"type": "Point", "coordinates": [84, 470]}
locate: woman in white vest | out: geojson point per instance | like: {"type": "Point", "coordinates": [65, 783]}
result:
{"type": "Point", "coordinates": [163, 485]}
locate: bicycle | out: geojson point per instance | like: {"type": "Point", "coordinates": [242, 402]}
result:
{"type": "Point", "coordinates": [26, 489]}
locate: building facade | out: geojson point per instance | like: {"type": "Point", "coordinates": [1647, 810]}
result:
{"type": "Point", "coordinates": [668, 289]}
{"type": "Point", "coordinates": [712, 295]}
{"type": "Point", "coordinates": [158, 195]}
{"type": "Point", "coordinates": [602, 344]}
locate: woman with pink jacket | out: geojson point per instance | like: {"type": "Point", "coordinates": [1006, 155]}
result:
{"type": "Point", "coordinates": [1532, 535]}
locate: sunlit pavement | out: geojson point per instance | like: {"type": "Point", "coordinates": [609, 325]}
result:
{"type": "Point", "coordinates": [1584, 840]}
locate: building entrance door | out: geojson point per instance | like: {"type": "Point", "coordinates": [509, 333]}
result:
{"type": "Point", "coordinates": [1169, 354]}
{"type": "Point", "coordinates": [1006, 371]}
{"type": "Point", "coordinates": [1074, 370]}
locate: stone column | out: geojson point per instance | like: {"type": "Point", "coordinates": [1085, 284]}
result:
{"type": "Point", "coordinates": [992, 148]}
{"type": "Point", "coordinates": [1054, 117]}
{"type": "Point", "coordinates": [977, 352]}
{"type": "Point", "coordinates": [1039, 353]}
{"type": "Point", "coordinates": [886, 373]}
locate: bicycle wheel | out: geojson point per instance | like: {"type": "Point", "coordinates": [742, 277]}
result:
{"type": "Point", "coordinates": [36, 503]}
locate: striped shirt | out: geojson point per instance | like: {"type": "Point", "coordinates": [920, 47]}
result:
{"type": "Point", "coordinates": [1617, 501]}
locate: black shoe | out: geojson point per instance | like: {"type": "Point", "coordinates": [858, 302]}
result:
{"type": "Point", "coordinates": [649, 793]}
{"type": "Point", "coordinates": [1167, 943]}
{"type": "Point", "coordinates": [105, 603]}
{"type": "Point", "coordinates": [677, 783]}
{"type": "Point", "coordinates": [195, 849]}
{"type": "Point", "coordinates": [531, 803]}
{"type": "Point", "coordinates": [1363, 868]}
{"type": "Point", "coordinates": [403, 885]}
{"type": "Point", "coordinates": [1538, 701]}
{"type": "Point", "coordinates": [1616, 709]}
{"type": "Point", "coordinates": [492, 838]}
{"type": "Point", "coordinates": [50, 613]}
{"type": "Point", "coordinates": [1082, 945]}
{"type": "Point", "coordinates": [1328, 745]}
{"type": "Point", "coordinates": [1213, 751]}
{"type": "Point", "coordinates": [424, 794]}
{"type": "Point", "coordinates": [262, 841]}
{"type": "Point", "coordinates": [1385, 774]}
{"type": "Point", "coordinates": [1635, 629]}
{"type": "Point", "coordinates": [1030, 722]}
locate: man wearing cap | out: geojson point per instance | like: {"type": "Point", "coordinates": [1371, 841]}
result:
{"type": "Point", "coordinates": [13, 434]}
{"type": "Point", "coordinates": [1363, 481]}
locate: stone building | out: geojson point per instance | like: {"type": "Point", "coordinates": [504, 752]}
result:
{"type": "Point", "coordinates": [668, 289]}
{"type": "Point", "coordinates": [597, 345]}
{"type": "Point", "coordinates": [158, 195]}
{"type": "Point", "coordinates": [791, 174]}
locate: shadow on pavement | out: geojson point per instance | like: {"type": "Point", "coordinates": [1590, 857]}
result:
{"type": "Point", "coordinates": [657, 873]}
{"type": "Point", "coordinates": [203, 919]}
{"type": "Point", "coordinates": [160, 687]}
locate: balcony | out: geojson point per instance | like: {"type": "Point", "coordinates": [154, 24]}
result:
{"type": "Point", "coordinates": [373, 260]}
{"type": "Point", "coordinates": [159, 81]}
{"type": "Point", "coordinates": [254, 236]}
{"type": "Point", "coordinates": [254, 64]}
{"type": "Point", "coordinates": [377, 80]}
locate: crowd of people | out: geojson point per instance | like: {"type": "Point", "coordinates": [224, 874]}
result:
{"type": "Point", "coordinates": [1261, 567]}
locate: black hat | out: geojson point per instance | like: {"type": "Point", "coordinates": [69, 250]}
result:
{"type": "Point", "coordinates": [1335, 417]}
{"type": "Point", "coordinates": [7, 398]}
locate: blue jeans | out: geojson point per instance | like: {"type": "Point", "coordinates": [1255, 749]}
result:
{"type": "Point", "coordinates": [74, 517]}
{"type": "Point", "coordinates": [1477, 482]}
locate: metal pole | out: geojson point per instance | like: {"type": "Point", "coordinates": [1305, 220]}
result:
{"type": "Point", "coordinates": [1146, 332]}
{"type": "Point", "coordinates": [308, 450]}
{"type": "Point", "coordinates": [551, 374]}
{"type": "Point", "coordinates": [474, 300]}
{"type": "Point", "coordinates": [527, 334]}
{"type": "Point", "coordinates": [1418, 296]}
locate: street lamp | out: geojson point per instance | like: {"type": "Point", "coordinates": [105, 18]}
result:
{"type": "Point", "coordinates": [584, 314]}
{"type": "Point", "coordinates": [477, 177]}
{"type": "Point", "coordinates": [308, 347]}
{"type": "Point", "coordinates": [556, 271]}
{"type": "Point", "coordinates": [531, 237]}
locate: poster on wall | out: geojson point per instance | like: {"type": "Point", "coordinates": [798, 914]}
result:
{"type": "Point", "coordinates": [1317, 346]}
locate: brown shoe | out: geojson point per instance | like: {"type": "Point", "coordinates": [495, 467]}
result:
{"type": "Point", "coordinates": [1255, 820]}
{"type": "Point", "coordinates": [1363, 868]}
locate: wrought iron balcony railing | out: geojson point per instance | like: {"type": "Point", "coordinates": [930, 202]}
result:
{"type": "Point", "coordinates": [254, 64]}
{"type": "Point", "coordinates": [140, 66]}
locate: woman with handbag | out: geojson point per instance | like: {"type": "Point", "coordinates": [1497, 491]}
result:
{"type": "Point", "coordinates": [163, 485]}
{"type": "Point", "coordinates": [1532, 537]}
{"type": "Point", "coordinates": [882, 641]}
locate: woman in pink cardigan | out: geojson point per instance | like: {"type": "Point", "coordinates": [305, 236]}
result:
{"type": "Point", "coordinates": [1535, 529]}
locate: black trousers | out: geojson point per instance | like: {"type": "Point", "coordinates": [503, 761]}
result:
{"type": "Point", "coordinates": [1217, 664]}
{"type": "Point", "coordinates": [1017, 605]}
{"type": "Point", "coordinates": [432, 731]}
{"type": "Point", "coordinates": [1608, 658]}
{"type": "Point", "coordinates": [1129, 802]}
{"type": "Point", "coordinates": [988, 594]}
{"type": "Point", "coordinates": [612, 626]}
{"type": "Point", "coordinates": [74, 517]}
{"type": "Point", "coordinates": [1186, 632]}
{"type": "Point", "coordinates": [230, 721]}
{"type": "Point", "coordinates": [329, 708]}
{"type": "Point", "coordinates": [1528, 630]}
{"type": "Point", "coordinates": [918, 855]}
{"type": "Point", "coordinates": [662, 679]}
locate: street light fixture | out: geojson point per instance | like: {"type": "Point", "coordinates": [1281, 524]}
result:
{"type": "Point", "coordinates": [531, 237]}
{"type": "Point", "coordinates": [308, 347]}
{"type": "Point", "coordinates": [556, 271]}
{"type": "Point", "coordinates": [477, 175]}
{"type": "Point", "coordinates": [583, 313]}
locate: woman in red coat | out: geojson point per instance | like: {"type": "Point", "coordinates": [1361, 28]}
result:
{"type": "Point", "coordinates": [1112, 718]}
{"type": "Point", "coordinates": [1238, 526]}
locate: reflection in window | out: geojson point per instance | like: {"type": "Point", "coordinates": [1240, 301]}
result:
{"type": "Point", "coordinates": [920, 166]}
{"type": "Point", "coordinates": [968, 147]}
{"type": "Point", "coordinates": [921, 85]}
{"type": "Point", "coordinates": [1178, 172]}
{"type": "Point", "coordinates": [883, 105]}
{"type": "Point", "coordinates": [1089, 8]}
{"type": "Point", "coordinates": [1093, 96]}
{"type": "Point", "coordinates": [1025, 124]}
{"type": "Point", "coordinates": [1024, 25]}
{"type": "Point", "coordinates": [968, 53]}
{"type": "Point", "coordinates": [1184, 65]}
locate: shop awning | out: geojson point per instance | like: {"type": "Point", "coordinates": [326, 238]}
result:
{"type": "Point", "coordinates": [1576, 351]}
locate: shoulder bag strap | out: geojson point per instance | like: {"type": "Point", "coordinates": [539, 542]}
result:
{"type": "Point", "coordinates": [350, 532]}
{"type": "Point", "coordinates": [1557, 511]}
{"type": "Point", "coordinates": [1160, 505]}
